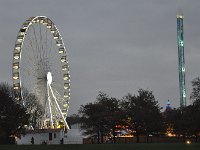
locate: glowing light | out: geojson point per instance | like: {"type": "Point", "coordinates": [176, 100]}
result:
{"type": "Point", "coordinates": [65, 105]}
{"type": "Point", "coordinates": [63, 59]}
{"type": "Point", "coordinates": [171, 135]}
{"type": "Point", "coordinates": [66, 76]}
{"type": "Point", "coordinates": [56, 37]}
{"type": "Point", "coordinates": [127, 136]}
{"type": "Point", "coordinates": [16, 76]}
{"type": "Point", "coordinates": [66, 86]}
{"type": "Point", "coordinates": [53, 31]}
{"type": "Point", "coordinates": [48, 26]}
{"type": "Point", "coordinates": [59, 42]}
{"type": "Point", "coordinates": [66, 95]}
{"type": "Point", "coordinates": [188, 142]}
{"type": "Point", "coordinates": [64, 67]}
{"type": "Point", "coordinates": [49, 78]}
{"type": "Point", "coordinates": [180, 16]}
{"type": "Point", "coordinates": [16, 65]}
{"type": "Point", "coordinates": [61, 50]}
{"type": "Point", "coordinates": [16, 86]}
{"type": "Point", "coordinates": [16, 55]}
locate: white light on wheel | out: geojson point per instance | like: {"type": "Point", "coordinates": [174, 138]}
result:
{"type": "Point", "coordinates": [49, 78]}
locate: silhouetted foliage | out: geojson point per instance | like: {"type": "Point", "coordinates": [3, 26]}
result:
{"type": "Point", "coordinates": [193, 111]}
{"type": "Point", "coordinates": [91, 120]}
{"type": "Point", "coordinates": [12, 115]}
{"type": "Point", "coordinates": [101, 117]}
{"type": "Point", "coordinates": [195, 95]}
{"type": "Point", "coordinates": [186, 121]}
{"type": "Point", "coordinates": [173, 119]}
{"type": "Point", "coordinates": [143, 113]}
{"type": "Point", "coordinates": [111, 113]}
{"type": "Point", "coordinates": [73, 119]}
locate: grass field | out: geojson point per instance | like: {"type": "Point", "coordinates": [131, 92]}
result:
{"type": "Point", "coordinates": [104, 147]}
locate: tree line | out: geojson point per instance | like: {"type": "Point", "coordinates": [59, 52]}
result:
{"type": "Point", "coordinates": [140, 114]}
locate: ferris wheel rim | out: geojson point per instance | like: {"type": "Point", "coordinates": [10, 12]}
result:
{"type": "Point", "coordinates": [18, 50]}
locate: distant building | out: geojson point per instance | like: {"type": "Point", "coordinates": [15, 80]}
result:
{"type": "Point", "coordinates": [41, 136]}
{"type": "Point", "coordinates": [168, 106]}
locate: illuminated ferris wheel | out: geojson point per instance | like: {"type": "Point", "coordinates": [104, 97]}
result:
{"type": "Point", "coordinates": [40, 66]}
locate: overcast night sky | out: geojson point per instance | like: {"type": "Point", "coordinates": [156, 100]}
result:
{"type": "Point", "coordinates": [115, 46]}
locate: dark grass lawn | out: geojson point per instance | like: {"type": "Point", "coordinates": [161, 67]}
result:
{"type": "Point", "coordinates": [104, 147]}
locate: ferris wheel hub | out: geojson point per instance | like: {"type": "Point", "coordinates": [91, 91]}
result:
{"type": "Point", "coordinates": [49, 78]}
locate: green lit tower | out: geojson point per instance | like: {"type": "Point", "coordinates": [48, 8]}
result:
{"type": "Point", "coordinates": [181, 59]}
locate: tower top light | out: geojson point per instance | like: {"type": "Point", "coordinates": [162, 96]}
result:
{"type": "Point", "coordinates": [179, 14]}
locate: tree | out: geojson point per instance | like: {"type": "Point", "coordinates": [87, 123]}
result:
{"type": "Point", "coordinates": [91, 119]}
{"type": "Point", "coordinates": [33, 108]}
{"type": "Point", "coordinates": [193, 112]}
{"type": "Point", "coordinates": [186, 121]}
{"type": "Point", "coordinates": [195, 95]}
{"type": "Point", "coordinates": [111, 114]}
{"type": "Point", "coordinates": [12, 115]}
{"type": "Point", "coordinates": [173, 119]}
{"type": "Point", "coordinates": [143, 113]}
{"type": "Point", "coordinates": [101, 117]}
{"type": "Point", "coordinates": [73, 119]}
{"type": "Point", "coordinates": [193, 119]}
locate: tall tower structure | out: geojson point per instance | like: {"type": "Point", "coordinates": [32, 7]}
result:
{"type": "Point", "coordinates": [181, 59]}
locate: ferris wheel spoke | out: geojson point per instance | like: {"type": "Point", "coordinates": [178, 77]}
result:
{"type": "Point", "coordinates": [56, 71]}
{"type": "Point", "coordinates": [57, 84]}
{"type": "Point", "coordinates": [40, 33]}
{"type": "Point", "coordinates": [27, 71]}
{"type": "Point", "coordinates": [58, 96]}
{"type": "Point", "coordinates": [37, 43]}
{"type": "Point", "coordinates": [57, 80]}
{"type": "Point", "coordinates": [42, 50]}
{"type": "Point", "coordinates": [35, 38]}
{"type": "Point", "coordinates": [49, 106]}
{"type": "Point", "coordinates": [28, 57]}
{"type": "Point", "coordinates": [50, 49]}
{"type": "Point", "coordinates": [58, 107]}
{"type": "Point", "coordinates": [33, 45]}
{"type": "Point", "coordinates": [46, 42]}
{"type": "Point", "coordinates": [55, 91]}
{"type": "Point", "coordinates": [52, 57]}
{"type": "Point", "coordinates": [34, 49]}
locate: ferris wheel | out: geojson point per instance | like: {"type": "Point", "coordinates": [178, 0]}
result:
{"type": "Point", "coordinates": [40, 66]}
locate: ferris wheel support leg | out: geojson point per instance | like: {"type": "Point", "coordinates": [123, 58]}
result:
{"type": "Point", "coordinates": [50, 111]}
{"type": "Point", "coordinates": [59, 108]}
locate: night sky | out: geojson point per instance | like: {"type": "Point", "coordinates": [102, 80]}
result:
{"type": "Point", "coordinates": [115, 46]}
